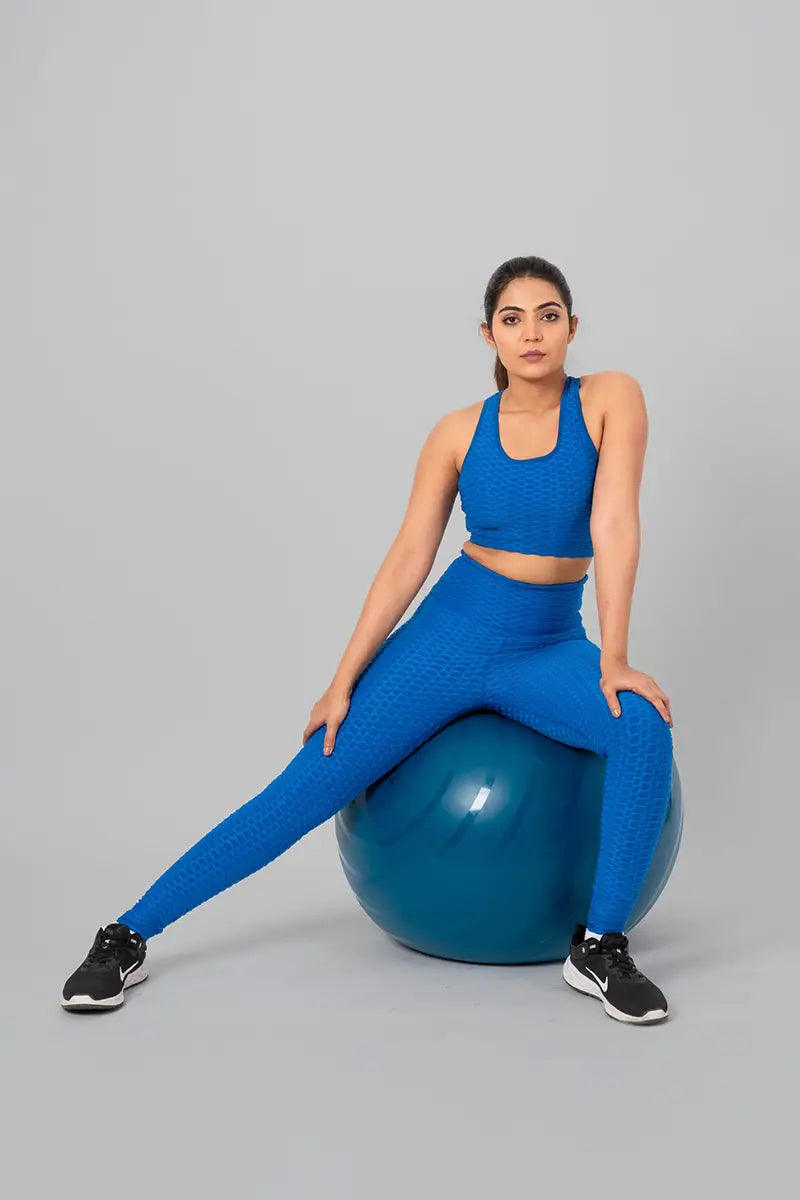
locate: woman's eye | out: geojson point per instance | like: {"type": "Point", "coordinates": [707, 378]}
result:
{"type": "Point", "coordinates": [511, 317]}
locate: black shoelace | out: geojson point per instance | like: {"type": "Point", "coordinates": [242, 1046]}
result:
{"type": "Point", "coordinates": [617, 947]}
{"type": "Point", "coordinates": [105, 949]}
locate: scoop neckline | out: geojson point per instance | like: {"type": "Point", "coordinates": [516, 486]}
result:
{"type": "Point", "coordinates": [536, 457]}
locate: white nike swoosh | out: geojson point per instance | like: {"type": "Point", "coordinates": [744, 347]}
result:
{"type": "Point", "coordinates": [124, 974]}
{"type": "Point", "coordinates": [604, 986]}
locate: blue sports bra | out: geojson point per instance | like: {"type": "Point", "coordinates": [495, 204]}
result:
{"type": "Point", "coordinates": [532, 505]}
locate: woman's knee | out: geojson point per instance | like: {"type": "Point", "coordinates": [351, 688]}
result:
{"type": "Point", "coordinates": [641, 723]}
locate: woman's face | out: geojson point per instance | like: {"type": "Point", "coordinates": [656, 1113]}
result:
{"type": "Point", "coordinates": [530, 315]}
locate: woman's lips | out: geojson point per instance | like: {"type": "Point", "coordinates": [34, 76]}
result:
{"type": "Point", "coordinates": [534, 354]}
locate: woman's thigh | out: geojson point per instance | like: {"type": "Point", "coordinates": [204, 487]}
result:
{"type": "Point", "coordinates": [556, 690]}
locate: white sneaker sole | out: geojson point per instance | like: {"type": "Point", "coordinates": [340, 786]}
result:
{"type": "Point", "coordinates": [88, 1002]}
{"type": "Point", "coordinates": [581, 984]}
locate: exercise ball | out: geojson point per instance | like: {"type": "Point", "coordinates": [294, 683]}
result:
{"type": "Point", "coordinates": [481, 844]}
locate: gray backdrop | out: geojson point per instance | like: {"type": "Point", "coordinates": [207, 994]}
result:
{"type": "Point", "coordinates": [244, 253]}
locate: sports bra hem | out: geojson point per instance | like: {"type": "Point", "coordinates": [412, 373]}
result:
{"type": "Point", "coordinates": [525, 550]}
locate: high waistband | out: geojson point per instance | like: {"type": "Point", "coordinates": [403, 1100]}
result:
{"type": "Point", "coordinates": [534, 612]}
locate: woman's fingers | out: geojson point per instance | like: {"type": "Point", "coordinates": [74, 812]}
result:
{"type": "Point", "coordinates": [334, 721]}
{"type": "Point", "coordinates": [647, 688]}
{"type": "Point", "coordinates": [312, 726]}
{"type": "Point", "coordinates": [331, 729]}
{"type": "Point", "coordinates": [657, 697]}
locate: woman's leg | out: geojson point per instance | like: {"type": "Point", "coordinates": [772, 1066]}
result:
{"type": "Point", "coordinates": [555, 689]}
{"type": "Point", "coordinates": [427, 672]}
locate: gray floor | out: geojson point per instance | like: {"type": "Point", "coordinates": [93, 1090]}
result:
{"type": "Point", "coordinates": [288, 1045]}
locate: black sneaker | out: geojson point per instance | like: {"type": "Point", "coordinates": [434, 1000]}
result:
{"type": "Point", "coordinates": [606, 970]}
{"type": "Point", "coordinates": [114, 962]}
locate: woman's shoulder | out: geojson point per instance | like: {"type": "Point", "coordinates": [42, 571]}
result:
{"type": "Point", "coordinates": [608, 383]}
{"type": "Point", "coordinates": [603, 390]}
{"type": "Point", "coordinates": [461, 424]}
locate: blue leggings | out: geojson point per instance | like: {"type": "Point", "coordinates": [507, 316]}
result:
{"type": "Point", "coordinates": [477, 640]}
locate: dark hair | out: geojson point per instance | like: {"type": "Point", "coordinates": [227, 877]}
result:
{"type": "Point", "coordinates": [525, 267]}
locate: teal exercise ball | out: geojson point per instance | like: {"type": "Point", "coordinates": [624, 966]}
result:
{"type": "Point", "coordinates": [481, 844]}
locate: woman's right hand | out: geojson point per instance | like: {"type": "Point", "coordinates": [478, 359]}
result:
{"type": "Point", "coordinates": [330, 710]}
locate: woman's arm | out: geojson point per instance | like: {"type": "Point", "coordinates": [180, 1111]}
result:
{"type": "Point", "coordinates": [614, 521]}
{"type": "Point", "coordinates": [411, 555]}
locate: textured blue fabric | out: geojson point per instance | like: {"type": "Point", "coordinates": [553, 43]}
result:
{"type": "Point", "coordinates": [477, 640]}
{"type": "Point", "coordinates": [536, 505]}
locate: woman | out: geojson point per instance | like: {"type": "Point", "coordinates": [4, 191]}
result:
{"type": "Point", "coordinates": [548, 470]}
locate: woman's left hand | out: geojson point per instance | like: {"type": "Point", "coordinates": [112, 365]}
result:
{"type": "Point", "coordinates": [620, 677]}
